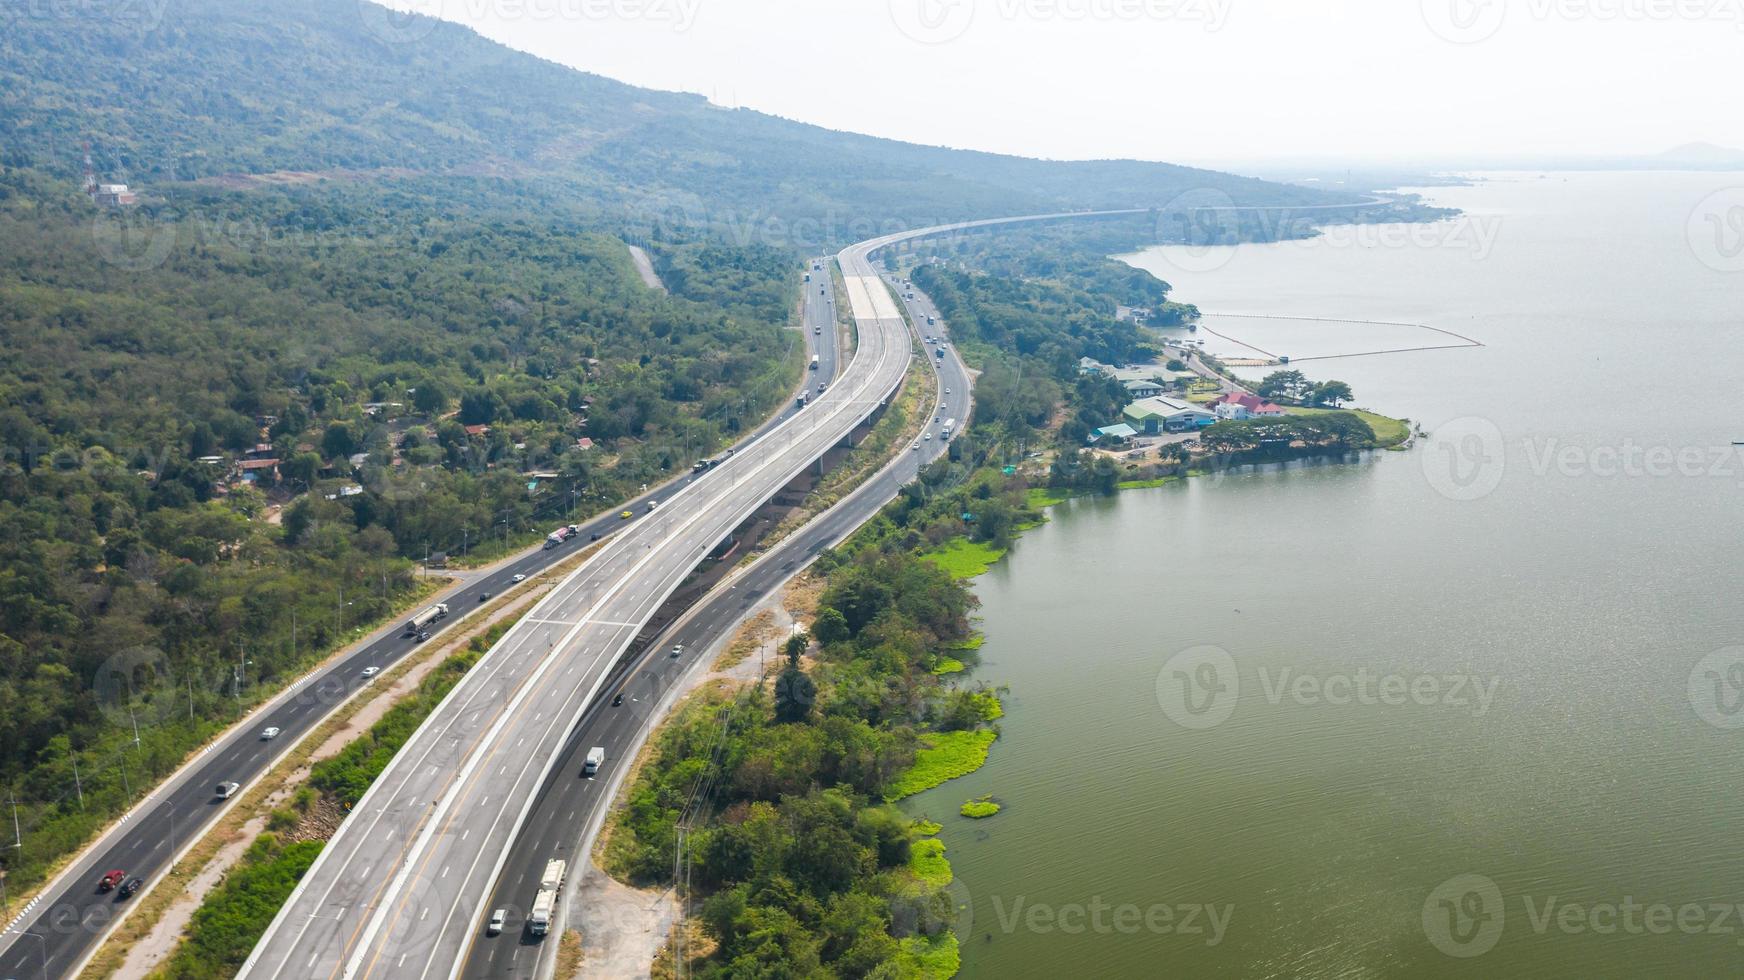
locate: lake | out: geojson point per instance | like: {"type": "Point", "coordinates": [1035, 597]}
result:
{"type": "Point", "coordinates": [1467, 710]}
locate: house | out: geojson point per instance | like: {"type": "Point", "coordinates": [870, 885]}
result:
{"type": "Point", "coordinates": [477, 430]}
{"type": "Point", "coordinates": [1090, 365]}
{"type": "Point", "coordinates": [1143, 388]}
{"type": "Point", "coordinates": [1154, 416]}
{"type": "Point", "coordinates": [258, 470]}
{"type": "Point", "coordinates": [113, 195]}
{"type": "Point", "coordinates": [1119, 432]}
{"type": "Point", "coordinates": [584, 444]}
{"type": "Point", "coordinates": [1239, 406]}
{"type": "Point", "coordinates": [262, 450]}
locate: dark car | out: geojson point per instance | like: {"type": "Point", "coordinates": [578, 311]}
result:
{"type": "Point", "coordinates": [618, 700]}
{"type": "Point", "coordinates": [483, 596]}
{"type": "Point", "coordinates": [110, 880]}
{"type": "Point", "coordinates": [131, 888]}
{"type": "Point", "coordinates": [423, 636]}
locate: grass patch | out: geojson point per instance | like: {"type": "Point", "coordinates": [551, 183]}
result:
{"type": "Point", "coordinates": [926, 861]}
{"type": "Point", "coordinates": [964, 558]}
{"type": "Point", "coordinates": [236, 913]}
{"type": "Point", "coordinates": [1146, 484]}
{"type": "Point", "coordinates": [979, 809]}
{"type": "Point", "coordinates": [972, 643]}
{"type": "Point", "coordinates": [943, 757]}
{"type": "Point", "coordinates": [926, 828]}
{"type": "Point", "coordinates": [569, 955]}
{"type": "Point", "coordinates": [948, 665]}
{"type": "Point", "coordinates": [1041, 497]}
{"type": "Point", "coordinates": [933, 957]}
{"type": "Point", "coordinates": [1389, 432]}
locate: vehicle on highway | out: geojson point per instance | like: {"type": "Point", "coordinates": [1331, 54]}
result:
{"type": "Point", "coordinates": [594, 537]}
{"type": "Point", "coordinates": [225, 791]}
{"type": "Point", "coordinates": [939, 352]}
{"type": "Point", "coordinates": [131, 888]}
{"type": "Point", "coordinates": [915, 447]}
{"type": "Point", "coordinates": [653, 504]}
{"type": "Point", "coordinates": [678, 649]}
{"type": "Point", "coordinates": [110, 880]}
{"type": "Point", "coordinates": [928, 437]}
{"type": "Point", "coordinates": [371, 671]}
{"type": "Point", "coordinates": [800, 401]}
{"type": "Point", "coordinates": [519, 578]}
{"type": "Point", "coordinates": [626, 515]}
{"type": "Point", "coordinates": [545, 903]}
{"type": "Point", "coordinates": [930, 320]}
{"type": "Point", "coordinates": [946, 429]}
{"type": "Point", "coordinates": [482, 596]}
{"type": "Point", "coordinates": [618, 699]}
{"type": "Point", "coordinates": [497, 919]}
{"type": "Point", "coordinates": [268, 734]}
{"type": "Point", "coordinates": [818, 331]}
{"type": "Point", "coordinates": [821, 387]}
{"type": "Point", "coordinates": [421, 638]}
{"type": "Point", "coordinates": [947, 391]}
{"type": "Point", "coordinates": [814, 362]}
{"type": "Point", "coordinates": [596, 757]}
{"type": "Point", "coordinates": [425, 617]}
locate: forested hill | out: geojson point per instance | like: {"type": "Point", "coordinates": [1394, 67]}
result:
{"type": "Point", "coordinates": [183, 89]}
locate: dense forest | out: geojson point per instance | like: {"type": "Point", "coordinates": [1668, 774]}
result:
{"type": "Point", "coordinates": [231, 91]}
{"type": "Point", "coordinates": [230, 421]}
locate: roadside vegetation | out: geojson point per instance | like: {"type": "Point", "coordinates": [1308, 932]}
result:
{"type": "Point", "coordinates": [235, 915]}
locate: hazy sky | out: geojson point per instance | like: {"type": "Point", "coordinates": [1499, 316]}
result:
{"type": "Point", "coordinates": [1208, 81]}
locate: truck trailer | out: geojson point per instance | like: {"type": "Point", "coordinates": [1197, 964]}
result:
{"type": "Point", "coordinates": [545, 903]}
{"type": "Point", "coordinates": [426, 617]}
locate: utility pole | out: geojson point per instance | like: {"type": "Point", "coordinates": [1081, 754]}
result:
{"type": "Point", "coordinates": [78, 784]}
{"type": "Point", "coordinates": [17, 834]}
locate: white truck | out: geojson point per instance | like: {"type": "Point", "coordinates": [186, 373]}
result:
{"type": "Point", "coordinates": [545, 903]}
{"type": "Point", "coordinates": [596, 756]}
{"type": "Point", "coordinates": [946, 429]}
{"type": "Point", "coordinates": [814, 362]}
{"type": "Point", "coordinates": [426, 617]}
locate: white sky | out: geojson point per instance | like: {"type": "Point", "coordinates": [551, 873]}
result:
{"type": "Point", "coordinates": [1206, 81]}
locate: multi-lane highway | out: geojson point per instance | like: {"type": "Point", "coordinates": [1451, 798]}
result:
{"type": "Point", "coordinates": [570, 808]}
{"type": "Point", "coordinates": [57, 932]}
{"type": "Point", "coordinates": [396, 891]}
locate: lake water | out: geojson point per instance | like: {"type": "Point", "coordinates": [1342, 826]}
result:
{"type": "Point", "coordinates": [1468, 710]}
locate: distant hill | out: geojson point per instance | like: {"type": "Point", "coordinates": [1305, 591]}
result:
{"type": "Point", "coordinates": [1702, 156]}
{"type": "Point", "coordinates": [212, 89]}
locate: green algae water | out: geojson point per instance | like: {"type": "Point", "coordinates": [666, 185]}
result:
{"type": "Point", "coordinates": [1468, 710]}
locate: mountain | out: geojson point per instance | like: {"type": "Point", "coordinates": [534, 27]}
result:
{"type": "Point", "coordinates": [1702, 156]}
{"type": "Point", "coordinates": [242, 92]}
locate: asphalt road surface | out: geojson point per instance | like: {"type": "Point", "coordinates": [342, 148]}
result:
{"type": "Point", "coordinates": [570, 806]}
{"type": "Point", "coordinates": [54, 936]}
{"type": "Point", "coordinates": [395, 892]}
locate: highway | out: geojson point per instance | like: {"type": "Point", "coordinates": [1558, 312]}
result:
{"type": "Point", "coordinates": [396, 891]}
{"type": "Point", "coordinates": [64, 926]}
{"type": "Point", "coordinates": [570, 809]}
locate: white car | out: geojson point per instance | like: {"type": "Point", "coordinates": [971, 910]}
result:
{"type": "Point", "coordinates": [947, 391]}
{"type": "Point", "coordinates": [928, 437]}
{"type": "Point", "coordinates": [519, 578]}
{"type": "Point", "coordinates": [268, 734]}
{"type": "Point", "coordinates": [371, 671]}
{"type": "Point", "coordinates": [496, 922]}
{"type": "Point", "coordinates": [915, 447]}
